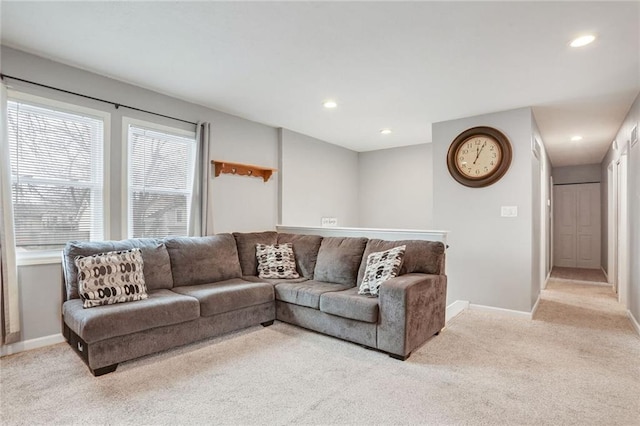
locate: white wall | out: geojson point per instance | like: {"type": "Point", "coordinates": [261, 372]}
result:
{"type": "Point", "coordinates": [317, 180]}
{"type": "Point", "coordinates": [396, 188]}
{"type": "Point", "coordinates": [587, 173]}
{"type": "Point", "coordinates": [489, 261]}
{"type": "Point", "coordinates": [633, 197]}
{"type": "Point", "coordinates": [240, 203]}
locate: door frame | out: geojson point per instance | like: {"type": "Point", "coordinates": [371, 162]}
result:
{"type": "Point", "coordinates": [612, 214]}
{"type": "Point", "coordinates": [622, 252]}
{"type": "Point", "coordinates": [551, 226]}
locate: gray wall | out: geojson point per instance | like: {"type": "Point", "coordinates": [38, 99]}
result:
{"type": "Point", "coordinates": [240, 203]}
{"type": "Point", "coordinates": [40, 300]}
{"type": "Point", "coordinates": [541, 223]}
{"type": "Point", "coordinates": [234, 139]}
{"type": "Point", "coordinates": [489, 261]}
{"type": "Point", "coordinates": [317, 180]}
{"type": "Point", "coordinates": [587, 173]}
{"type": "Point", "coordinates": [396, 188]}
{"type": "Point", "coordinates": [633, 197]}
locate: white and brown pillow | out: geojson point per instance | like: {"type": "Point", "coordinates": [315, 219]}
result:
{"type": "Point", "coordinates": [112, 277]}
{"type": "Point", "coordinates": [276, 261]}
{"type": "Point", "coordinates": [381, 266]}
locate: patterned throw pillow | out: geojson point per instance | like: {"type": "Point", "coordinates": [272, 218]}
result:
{"type": "Point", "coordinates": [381, 266]}
{"type": "Point", "coordinates": [112, 277]}
{"type": "Point", "coordinates": [276, 261]}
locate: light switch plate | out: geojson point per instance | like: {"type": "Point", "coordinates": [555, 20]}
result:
{"type": "Point", "coordinates": [329, 222]}
{"type": "Point", "coordinates": [509, 211]}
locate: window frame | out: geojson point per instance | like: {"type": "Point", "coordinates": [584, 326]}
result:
{"type": "Point", "coordinates": [130, 121]}
{"type": "Point", "coordinates": [52, 256]}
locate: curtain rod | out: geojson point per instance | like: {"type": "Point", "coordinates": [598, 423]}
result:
{"type": "Point", "coordinates": [115, 104]}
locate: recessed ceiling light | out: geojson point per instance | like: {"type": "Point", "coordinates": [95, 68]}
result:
{"type": "Point", "coordinates": [329, 104]}
{"type": "Point", "coordinates": [576, 138]}
{"type": "Point", "coordinates": [582, 40]}
{"type": "Point", "coordinates": [385, 131]}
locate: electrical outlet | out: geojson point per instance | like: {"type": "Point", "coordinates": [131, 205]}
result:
{"type": "Point", "coordinates": [509, 211]}
{"type": "Point", "coordinates": [329, 221]}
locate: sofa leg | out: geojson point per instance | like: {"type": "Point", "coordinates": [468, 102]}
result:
{"type": "Point", "coordinates": [104, 370]}
{"type": "Point", "coordinates": [400, 357]}
{"type": "Point", "coordinates": [437, 332]}
{"type": "Point", "coordinates": [266, 323]}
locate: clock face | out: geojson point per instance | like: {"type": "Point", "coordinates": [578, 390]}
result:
{"type": "Point", "coordinates": [478, 157]}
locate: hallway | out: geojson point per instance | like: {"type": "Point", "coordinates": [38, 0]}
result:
{"type": "Point", "coordinates": [582, 298]}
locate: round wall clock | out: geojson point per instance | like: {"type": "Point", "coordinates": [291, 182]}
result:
{"type": "Point", "coordinates": [479, 156]}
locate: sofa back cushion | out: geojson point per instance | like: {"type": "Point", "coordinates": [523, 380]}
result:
{"type": "Point", "coordinates": [203, 260]}
{"type": "Point", "coordinates": [157, 266]}
{"type": "Point", "coordinates": [246, 243]}
{"type": "Point", "coordinates": [339, 259]}
{"type": "Point", "coordinates": [305, 249]}
{"type": "Point", "coordinates": [420, 256]}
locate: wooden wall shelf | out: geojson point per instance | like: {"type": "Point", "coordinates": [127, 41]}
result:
{"type": "Point", "coordinates": [242, 169]}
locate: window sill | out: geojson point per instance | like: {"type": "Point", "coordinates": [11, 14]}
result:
{"type": "Point", "coordinates": [45, 257]}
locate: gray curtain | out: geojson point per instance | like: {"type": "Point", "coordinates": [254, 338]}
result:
{"type": "Point", "coordinates": [8, 270]}
{"type": "Point", "coordinates": [201, 215]}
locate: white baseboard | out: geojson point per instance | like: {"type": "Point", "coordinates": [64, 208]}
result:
{"type": "Point", "coordinates": [27, 345]}
{"type": "Point", "coordinates": [546, 280]}
{"type": "Point", "coordinates": [535, 307]}
{"type": "Point", "coordinates": [634, 322]}
{"type": "Point", "coordinates": [455, 308]}
{"type": "Point", "coordinates": [502, 311]}
{"type": "Point", "coordinates": [605, 274]}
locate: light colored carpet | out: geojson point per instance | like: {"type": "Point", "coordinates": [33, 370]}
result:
{"type": "Point", "coordinates": [577, 362]}
{"type": "Point", "coordinates": [594, 276]}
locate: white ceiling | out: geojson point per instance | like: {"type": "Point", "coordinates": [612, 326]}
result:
{"type": "Point", "coordinates": [403, 65]}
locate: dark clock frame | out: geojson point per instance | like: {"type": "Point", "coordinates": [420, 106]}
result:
{"type": "Point", "coordinates": [505, 160]}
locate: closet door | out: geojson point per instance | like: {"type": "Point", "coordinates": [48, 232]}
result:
{"type": "Point", "coordinates": [588, 226]}
{"type": "Point", "coordinates": [577, 225]}
{"type": "Point", "coordinates": [565, 225]}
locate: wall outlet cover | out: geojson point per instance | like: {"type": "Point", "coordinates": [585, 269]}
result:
{"type": "Point", "coordinates": [329, 222]}
{"type": "Point", "coordinates": [509, 211]}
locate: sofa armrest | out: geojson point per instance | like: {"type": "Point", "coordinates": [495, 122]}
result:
{"type": "Point", "coordinates": [412, 309]}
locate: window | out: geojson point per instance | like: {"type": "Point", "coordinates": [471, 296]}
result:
{"type": "Point", "coordinates": [56, 173]}
{"type": "Point", "coordinates": [160, 167]}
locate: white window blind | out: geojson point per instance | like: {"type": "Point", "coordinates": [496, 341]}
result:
{"type": "Point", "coordinates": [161, 166]}
{"type": "Point", "coordinates": [56, 174]}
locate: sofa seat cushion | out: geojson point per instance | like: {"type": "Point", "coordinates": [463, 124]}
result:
{"type": "Point", "coordinates": [229, 295]}
{"type": "Point", "coordinates": [273, 281]}
{"type": "Point", "coordinates": [350, 304]}
{"type": "Point", "coordinates": [162, 307]}
{"type": "Point", "coordinates": [305, 293]}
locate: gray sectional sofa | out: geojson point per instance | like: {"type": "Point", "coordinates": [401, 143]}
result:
{"type": "Point", "coordinates": [201, 287]}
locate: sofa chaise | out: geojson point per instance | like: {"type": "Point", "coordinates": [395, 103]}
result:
{"type": "Point", "coordinates": [202, 287]}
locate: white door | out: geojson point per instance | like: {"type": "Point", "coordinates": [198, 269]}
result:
{"type": "Point", "coordinates": [565, 224]}
{"type": "Point", "coordinates": [588, 226]}
{"type": "Point", "coordinates": [577, 225]}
